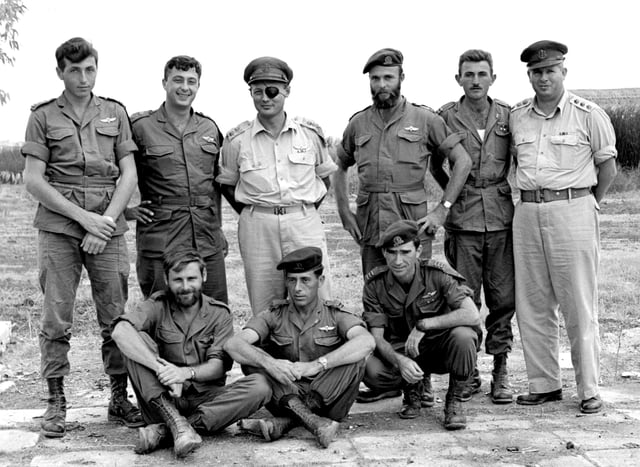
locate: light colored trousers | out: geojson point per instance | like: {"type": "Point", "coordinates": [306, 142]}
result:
{"type": "Point", "coordinates": [265, 238]}
{"type": "Point", "coordinates": [556, 251]}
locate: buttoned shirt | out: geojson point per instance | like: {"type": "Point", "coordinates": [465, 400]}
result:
{"type": "Point", "coordinates": [176, 172]}
{"type": "Point", "coordinates": [392, 159]}
{"type": "Point", "coordinates": [485, 202]}
{"type": "Point", "coordinates": [276, 170]}
{"type": "Point", "coordinates": [200, 342]}
{"type": "Point", "coordinates": [436, 289]}
{"type": "Point", "coordinates": [560, 150]}
{"type": "Point", "coordinates": [82, 157]}
{"type": "Point", "coordinates": [284, 335]}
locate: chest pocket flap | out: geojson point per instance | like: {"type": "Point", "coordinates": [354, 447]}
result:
{"type": "Point", "coordinates": [411, 136]}
{"type": "Point", "coordinates": [327, 339]}
{"type": "Point", "coordinates": [524, 138]}
{"type": "Point", "coordinates": [159, 151]}
{"type": "Point", "coordinates": [59, 133]}
{"type": "Point", "coordinates": [362, 140]}
{"type": "Point", "coordinates": [569, 140]}
{"type": "Point", "coordinates": [169, 336]}
{"type": "Point", "coordinates": [110, 130]}
{"type": "Point", "coordinates": [281, 340]}
{"type": "Point", "coordinates": [210, 148]}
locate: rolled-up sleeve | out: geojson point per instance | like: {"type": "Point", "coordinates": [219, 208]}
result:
{"type": "Point", "coordinates": [347, 321]}
{"type": "Point", "coordinates": [603, 137]}
{"type": "Point", "coordinates": [346, 149]}
{"type": "Point", "coordinates": [223, 330]}
{"type": "Point", "coordinates": [261, 324]}
{"type": "Point", "coordinates": [374, 314]}
{"type": "Point", "coordinates": [143, 318]}
{"type": "Point", "coordinates": [124, 144]}
{"type": "Point", "coordinates": [228, 173]}
{"type": "Point", "coordinates": [36, 138]}
{"type": "Point", "coordinates": [454, 291]}
{"type": "Point", "coordinates": [441, 138]}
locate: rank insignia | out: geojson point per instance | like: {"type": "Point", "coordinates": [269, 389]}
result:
{"type": "Point", "coordinates": [300, 149]}
{"type": "Point", "coordinates": [411, 128]}
{"type": "Point", "coordinates": [108, 120]}
{"type": "Point", "coordinates": [429, 295]}
{"type": "Point", "coordinates": [327, 328]}
{"type": "Point", "coordinates": [209, 139]}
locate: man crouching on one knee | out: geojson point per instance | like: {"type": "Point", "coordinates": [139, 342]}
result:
{"type": "Point", "coordinates": [422, 319]}
{"type": "Point", "coordinates": [173, 348]}
{"type": "Point", "coordinates": [312, 352]}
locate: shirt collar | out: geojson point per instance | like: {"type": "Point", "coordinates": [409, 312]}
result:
{"type": "Point", "coordinates": [559, 107]}
{"type": "Point", "coordinates": [258, 127]}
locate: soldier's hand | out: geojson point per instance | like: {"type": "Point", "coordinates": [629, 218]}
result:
{"type": "Point", "coordinates": [351, 225]}
{"type": "Point", "coordinates": [413, 341]}
{"type": "Point", "coordinates": [307, 368]}
{"type": "Point", "coordinates": [92, 245]}
{"type": "Point", "coordinates": [283, 371]}
{"type": "Point", "coordinates": [139, 213]}
{"type": "Point", "coordinates": [409, 370]}
{"type": "Point", "coordinates": [169, 374]}
{"type": "Point", "coordinates": [433, 220]}
{"type": "Point", "coordinates": [97, 225]}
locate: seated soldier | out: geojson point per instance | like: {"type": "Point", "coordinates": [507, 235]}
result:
{"type": "Point", "coordinates": [421, 317]}
{"type": "Point", "coordinates": [311, 351]}
{"type": "Point", "coordinates": [173, 348]}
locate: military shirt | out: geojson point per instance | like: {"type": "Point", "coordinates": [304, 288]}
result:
{"type": "Point", "coordinates": [392, 160]}
{"type": "Point", "coordinates": [485, 203]}
{"type": "Point", "coordinates": [201, 342]}
{"type": "Point", "coordinates": [560, 150]}
{"type": "Point", "coordinates": [282, 170]}
{"type": "Point", "coordinates": [436, 289]}
{"type": "Point", "coordinates": [176, 172]}
{"type": "Point", "coordinates": [82, 157]}
{"type": "Point", "coordinates": [284, 335]}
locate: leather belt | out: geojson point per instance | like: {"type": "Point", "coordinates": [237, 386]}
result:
{"type": "Point", "coordinates": [544, 195]}
{"type": "Point", "coordinates": [181, 200]}
{"type": "Point", "coordinates": [281, 210]}
{"type": "Point", "coordinates": [386, 187]}
{"type": "Point", "coordinates": [484, 183]}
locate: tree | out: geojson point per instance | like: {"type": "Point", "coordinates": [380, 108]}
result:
{"type": "Point", "coordinates": [10, 11]}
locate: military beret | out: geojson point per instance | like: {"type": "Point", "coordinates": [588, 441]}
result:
{"type": "Point", "coordinates": [398, 233]}
{"type": "Point", "coordinates": [384, 57]}
{"type": "Point", "coordinates": [267, 69]}
{"type": "Point", "coordinates": [304, 259]}
{"type": "Point", "coordinates": [543, 53]}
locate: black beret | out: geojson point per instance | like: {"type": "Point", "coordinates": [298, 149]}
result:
{"type": "Point", "coordinates": [267, 69]}
{"type": "Point", "coordinates": [543, 53]}
{"type": "Point", "coordinates": [304, 259]}
{"type": "Point", "coordinates": [384, 57]}
{"type": "Point", "coordinates": [398, 233]}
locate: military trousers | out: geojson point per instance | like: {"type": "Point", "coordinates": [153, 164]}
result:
{"type": "Point", "coordinates": [485, 259]}
{"type": "Point", "coordinates": [556, 251]}
{"type": "Point", "coordinates": [60, 262]}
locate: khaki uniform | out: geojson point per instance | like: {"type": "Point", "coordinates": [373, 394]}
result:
{"type": "Point", "coordinates": [82, 157]}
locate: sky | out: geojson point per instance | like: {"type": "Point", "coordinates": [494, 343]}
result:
{"type": "Point", "coordinates": [326, 43]}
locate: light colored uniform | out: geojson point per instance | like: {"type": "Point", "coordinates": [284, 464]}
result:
{"type": "Point", "coordinates": [279, 179]}
{"type": "Point", "coordinates": [557, 243]}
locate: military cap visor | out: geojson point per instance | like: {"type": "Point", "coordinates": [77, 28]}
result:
{"type": "Point", "coordinates": [543, 53]}
{"type": "Point", "coordinates": [398, 233]}
{"type": "Point", "coordinates": [268, 69]}
{"type": "Point", "coordinates": [302, 260]}
{"type": "Point", "coordinates": [384, 57]}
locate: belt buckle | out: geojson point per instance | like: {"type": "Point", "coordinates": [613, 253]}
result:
{"type": "Point", "coordinates": [279, 210]}
{"type": "Point", "coordinates": [539, 197]}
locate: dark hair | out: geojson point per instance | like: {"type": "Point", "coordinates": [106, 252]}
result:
{"type": "Point", "coordinates": [475, 55]}
{"type": "Point", "coordinates": [178, 260]}
{"type": "Point", "coordinates": [184, 63]}
{"type": "Point", "coordinates": [75, 50]}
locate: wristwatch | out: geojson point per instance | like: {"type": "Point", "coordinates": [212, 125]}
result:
{"type": "Point", "coordinates": [446, 204]}
{"type": "Point", "coordinates": [323, 361]}
{"type": "Point", "coordinates": [193, 374]}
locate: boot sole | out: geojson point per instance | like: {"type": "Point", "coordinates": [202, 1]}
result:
{"type": "Point", "coordinates": [53, 434]}
{"type": "Point", "coordinates": [123, 421]}
{"type": "Point", "coordinates": [501, 401]}
{"type": "Point", "coordinates": [328, 434]}
{"type": "Point", "coordinates": [187, 448]}
{"type": "Point", "coordinates": [455, 426]}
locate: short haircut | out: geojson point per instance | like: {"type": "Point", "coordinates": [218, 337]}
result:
{"type": "Point", "coordinates": [177, 260]}
{"type": "Point", "coordinates": [75, 50]}
{"type": "Point", "coordinates": [475, 55]}
{"type": "Point", "coordinates": [184, 63]}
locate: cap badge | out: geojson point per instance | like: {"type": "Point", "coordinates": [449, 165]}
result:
{"type": "Point", "coordinates": [388, 60]}
{"type": "Point", "coordinates": [542, 54]}
{"type": "Point", "coordinates": [397, 240]}
{"type": "Point", "coordinates": [299, 266]}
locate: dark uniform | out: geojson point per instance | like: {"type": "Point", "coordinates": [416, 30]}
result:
{"type": "Point", "coordinates": [210, 405]}
{"type": "Point", "coordinates": [176, 173]}
{"type": "Point", "coordinates": [478, 238]}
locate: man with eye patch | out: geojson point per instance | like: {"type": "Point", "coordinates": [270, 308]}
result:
{"type": "Point", "coordinates": [423, 320]}
{"type": "Point", "coordinates": [177, 161]}
{"type": "Point", "coordinates": [275, 172]}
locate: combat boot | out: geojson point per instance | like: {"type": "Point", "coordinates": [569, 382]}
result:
{"type": "Point", "coordinates": [324, 429]}
{"type": "Point", "coordinates": [151, 437]}
{"type": "Point", "coordinates": [427, 399]}
{"type": "Point", "coordinates": [120, 409]}
{"type": "Point", "coordinates": [185, 438]}
{"type": "Point", "coordinates": [471, 387]}
{"type": "Point", "coordinates": [500, 390]}
{"type": "Point", "coordinates": [454, 417]}
{"type": "Point", "coordinates": [411, 401]}
{"type": "Point", "coordinates": [271, 428]}
{"type": "Point", "coordinates": [53, 420]}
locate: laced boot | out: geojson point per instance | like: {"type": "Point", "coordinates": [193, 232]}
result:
{"type": "Point", "coordinates": [53, 420]}
{"type": "Point", "coordinates": [500, 390]}
{"type": "Point", "coordinates": [151, 437]}
{"type": "Point", "coordinates": [324, 429]}
{"type": "Point", "coordinates": [454, 417]}
{"type": "Point", "coordinates": [185, 438]}
{"type": "Point", "coordinates": [427, 399]}
{"type": "Point", "coordinates": [411, 401]}
{"type": "Point", "coordinates": [472, 386]}
{"type": "Point", "coordinates": [120, 409]}
{"type": "Point", "coordinates": [271, 428]}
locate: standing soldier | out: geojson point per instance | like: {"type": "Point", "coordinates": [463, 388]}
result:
{"type": "Point", "coordinates": [478, 239]}
{"type": "Point", "coordinates": [77, 147]}
{"type": "Point", "coordinates": [177, 160]}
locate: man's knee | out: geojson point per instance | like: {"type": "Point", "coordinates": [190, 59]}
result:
{"type": "Point", "coordinates": [259, 386]}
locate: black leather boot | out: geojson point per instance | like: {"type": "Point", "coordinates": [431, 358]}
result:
{"type": "Point", "coordinates": [120, 409]}
{"type": "Point", "coordinates": [324, 429]}
{"type": "Point", "coordinates": [53, 420]}
{"type": "Point", "coordinates": [500, 390]}
{"type": "Point", "coordinates": [454, 417]}
{"type": "Point", "coordinates": [185, 438]}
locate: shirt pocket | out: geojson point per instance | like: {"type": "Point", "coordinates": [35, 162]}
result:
{"type": "Point", "coordinates": [565, 148]}
{"type": "Point", "coordinates": [361, 149]}
{"type": "Point", "coordinates": [414, 204]}
{"type": "Point", "coordinates": [107, 140]}
{"type": "Point", "coordinates": [502, 142]}
{"type": "Point", "coordinates": [281, 340]}
{"type": "Point", "coordinates": [327, 339]}
{"type": "Point", "coordinates": [209, 158]}
{"type": "Point", "coordinates": [160, 161]}
{"type": "Point", "coordinates": [429, 303]}
{"type": "Point", "coordinates": [62, 145]}
{"type": "Point", "coordinates": [170, 342]}
{"type": "Point", "coordinates": [526, 148]}
{"type": "Point", "coordinates": [410, 147]}
{"type": "Point", "coordinates": [254, 175]}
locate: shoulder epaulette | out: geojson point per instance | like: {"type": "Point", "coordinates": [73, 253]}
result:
{"type": "Point", "coordinates": [581, 103]}
{"type": "Point", "coordinates": [111, 99]}
{"type": "Point", "coordinates": [138, 115]}
{"type": "Point", "coordinates": [522, 104]}
{"type": "Point", "coordinates": [446, 107]}
{"type": "Point", "coordinates": [213, 301]}
{"type": "Point", "coordinates": [244, 126]}
{"type": "Point", "coordinates": [278, 303]}
{"type": "Point", "coordinates": [359, 112]}
{"type": "Point", "coordinates": [40, 104]}
{"type": "Point", "coordinates": [501, 103]}
{"type": "Point", "coordinates": [313, 126]}
{"type": "Point", "coordinates": [444, 267]}
{"type": "Point", "coordinates": [375, 272]}
{"type": "Point", "coordinates": [422, 106]}
{"type": "Point", "coordinates": [334, 304]}
{"type": "Point", "coordinates": [207, 117]}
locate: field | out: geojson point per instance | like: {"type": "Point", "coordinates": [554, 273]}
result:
{"type": "Point", "coordinates": [21, 300]}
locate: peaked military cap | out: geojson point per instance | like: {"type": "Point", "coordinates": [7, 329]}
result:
{"type": "Point", "coordinates": [543, 53]}
{"type": "Point", "coordinates": [267, 69]}
{"type": "Point", "coordinates": [398, 233]}
{"type": "Point", "coordinates": [308, 258]}
{"type": "Point", "coordinates": [384, 57]}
